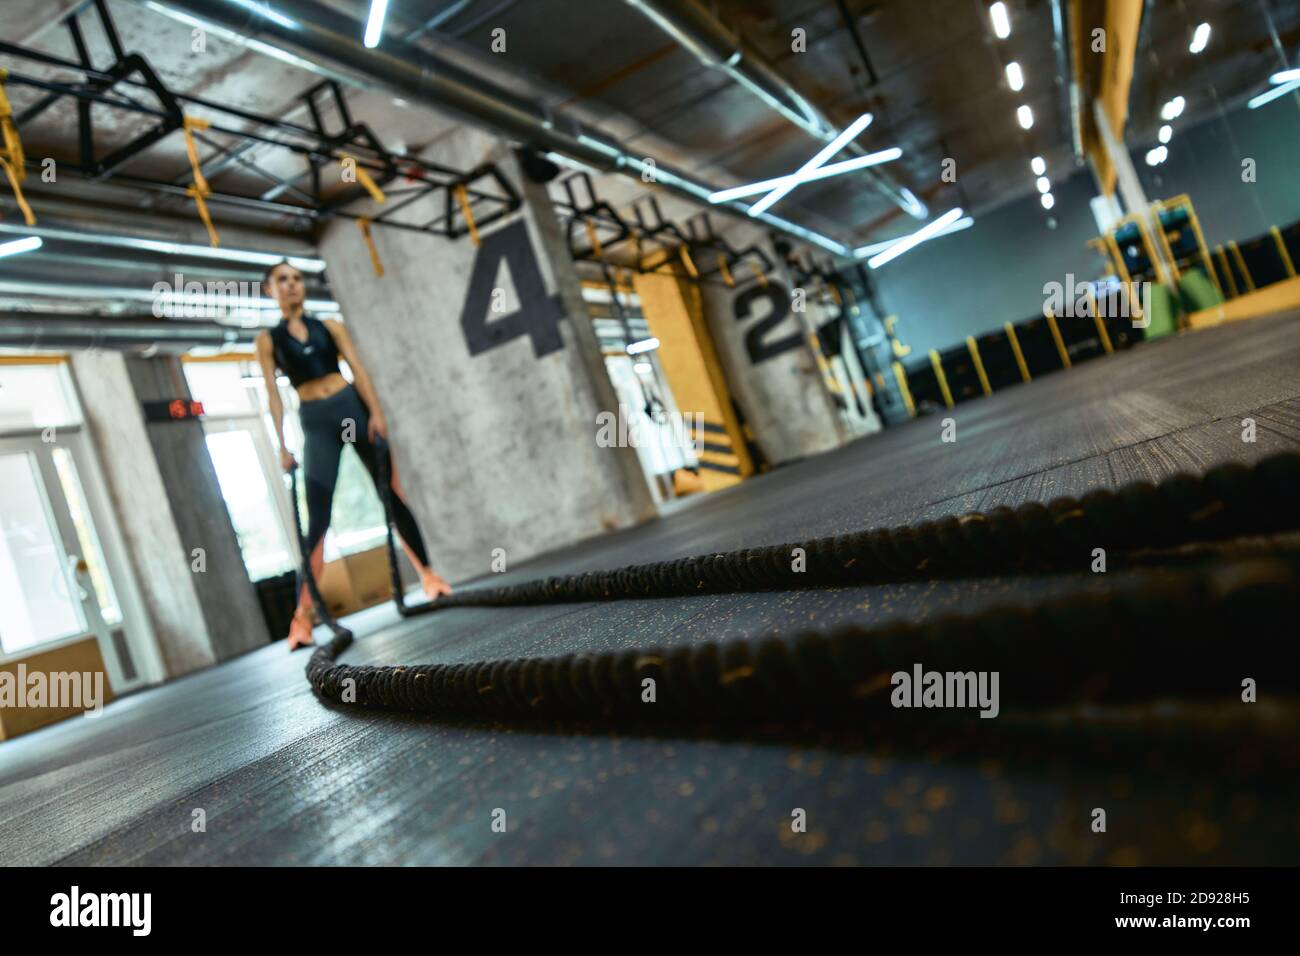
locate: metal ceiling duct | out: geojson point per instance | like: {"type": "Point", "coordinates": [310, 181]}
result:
{"type": "Point", "coordinates": [716, 46]}
{"type": "Point", "coordinates": [329, 42]}
{"type": "Point", "coordinates": [35, 331]}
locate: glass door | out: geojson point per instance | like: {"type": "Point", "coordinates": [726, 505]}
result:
{"type": "Point", "coordinates": [56, 587]}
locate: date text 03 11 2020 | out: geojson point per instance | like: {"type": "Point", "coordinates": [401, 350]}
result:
{"type": "Point", "coordinates": [1173, 896]}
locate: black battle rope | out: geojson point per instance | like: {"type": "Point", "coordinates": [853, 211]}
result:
{"type": "Point", "coordinates": [383, 456]}
{"type": "Point", "coordinates": [1162, 633]}
{"type": "Point", "coordinates": [1185, 635]}
{"type": "Point", "coordinates": [305, 575]}
{"type": "Point", "coordinates": [1227, 501]}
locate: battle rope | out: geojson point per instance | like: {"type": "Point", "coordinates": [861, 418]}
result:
{"type": "Point", "coordinates": [1228, 501]}
{"type": "Point", "coordinates": [1140, 641]}
{"type": "Point", "coordinates": [1183, 635]}
{"type": "Point", "coordinates": [384, 470]}
{"type": "Point", "coordinates": [305, 575]}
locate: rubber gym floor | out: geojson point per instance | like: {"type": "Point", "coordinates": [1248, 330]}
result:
{"type": "Point", "coordinates": [284, 778]}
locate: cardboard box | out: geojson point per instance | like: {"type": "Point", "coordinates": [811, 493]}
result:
{"type": "Point", "coordinates": [356, 581]}
{"type": "Point", "coordinates": [18, 716]}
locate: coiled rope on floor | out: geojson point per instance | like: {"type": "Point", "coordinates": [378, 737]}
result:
{"type": "Point", "coordinates": [1227, 501]}
{"type": "Point", "coordinates": [1159, 637]}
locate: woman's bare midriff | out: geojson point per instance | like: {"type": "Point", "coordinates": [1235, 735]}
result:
{"type": "Point", "coordinates": [323, 387]}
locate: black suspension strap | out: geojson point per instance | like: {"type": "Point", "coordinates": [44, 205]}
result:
{"type": "Point", "coordinates": [305, 575]}
{"type": "Point", "coordinates": [384, 468]}
{"type": "Point", "coordinates": [1144, 640]}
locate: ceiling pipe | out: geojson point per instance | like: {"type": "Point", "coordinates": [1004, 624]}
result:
{"type": "Point", "coordinates": [717, 47]}
{"type": "Point", "coordinates": [318, 38]}
{"type": "Point", "coordinates": [1069, 88]}
{"type": "Point", "coordinates": [37, 331]}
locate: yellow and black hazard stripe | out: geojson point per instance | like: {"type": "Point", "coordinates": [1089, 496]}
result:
{"type": "Point", "coordinates": [715, 450]}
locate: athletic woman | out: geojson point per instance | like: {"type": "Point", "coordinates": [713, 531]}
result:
{"type": "Point", "coordinates": [331, 412]}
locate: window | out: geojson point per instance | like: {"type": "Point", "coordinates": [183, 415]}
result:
{"type": "Point", "coordinates": [243, 446]}
{"type": "Point", "coordinates": [36, 588]}
{"type": "Point", "coordinates": [36, 395]}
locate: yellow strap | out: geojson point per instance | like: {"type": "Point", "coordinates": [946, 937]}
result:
{"type": "Point", "coordinates": [727, 277]}
{"type": "Point", "coordinates": [12, 160]}
{"type": "Point", "coordinates": [594, 239]}
{"type": "Point", "coordinates": [688, 263]}
{"type": "Point", "coordinates": [760, 274]}
{"type": "Point", "coordinates": [28, 216]}
{"type": "Point", "coordinates": [199, 190]}
{"type": "Point", "coordinates": [190, 124]}
{"type": "Point", "coordinates": [197, 195]}
{"type": "Point", "coordinates": [363, 177]}
{"type": "Point", "coordinates": [12, 146]}
{"type": "Point", "coordinates": [364, 225]}
{"type": "Point", "coordinates": [462, 197]}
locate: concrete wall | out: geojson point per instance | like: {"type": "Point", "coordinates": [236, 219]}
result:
{"type": "Point", "coordinates": [168, 503]}
{"type": "Point", "coordinates": [770, 366]}
{"type": "Point", "coordinates": [972, 282]}
{"type": "Point", "coordinates": [494, 432]}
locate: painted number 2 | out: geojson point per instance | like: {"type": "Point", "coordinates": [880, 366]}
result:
{"type": "Point", "coordinates": [776, 299]}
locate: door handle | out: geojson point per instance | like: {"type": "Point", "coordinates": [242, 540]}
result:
{"type": "Point", "coordinates": [77, 564]}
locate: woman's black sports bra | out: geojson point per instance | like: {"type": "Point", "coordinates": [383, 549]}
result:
{"type": "Point", "coordinates": [304, 361]}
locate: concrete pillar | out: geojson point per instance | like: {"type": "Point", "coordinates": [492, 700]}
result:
{"type": "Point", "coordinates": [490, 376]}
{"type": "Point", "coordinates": [168, 503]}
{"type": "Point", "coordinates": [770, 365]}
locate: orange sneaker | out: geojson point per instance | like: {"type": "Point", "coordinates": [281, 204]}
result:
{"type": "Point", "coordinates": [433, 585]}
{"type": "Point", "coordinates": [300, 629]}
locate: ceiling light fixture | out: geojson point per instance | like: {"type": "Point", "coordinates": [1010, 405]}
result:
{"type": "Point", "coordinates": [1157, 156]}
{"type": "Point", "coordinates": [1001, 20]}
{"type": "Point", "coordinates": [1044, 184]}
{"type": "Point", "coordinates": [645, 345]}
{"type": "Point", "coordinates": [266, 11]}
{"type": "Point", "coordinates": [1166, 133]}
{"type": "Point", "coordinates": [16, 246]}
{"type": "Point", "coordinates": [1285, 76]}
{"type": "Point", "coordinates": [1200, 39]}
{"type": "Point", "coordinates": [825, 172]}
{"type": "Point", "coordinates": [1277, 91]}
{"type": "Point", "coordinates": [168, 247]}
{"type": "Point", "coordinates": [870, 250]}
{"type": "Point", "coordinates": [928, 231]}
{"type": "Point", "coordinates": [826, 152]}
{"type": "Point", "coordinates": [1173, 109]}
{"type": "Point", "coordinates": [1026, 117]}
{"type": "Point", "coordinates": [1015, 77]}
{"type": "Point", "coordinates": [375, 23]}
{"type": "Point", "coordinates": [1048, 200]}
{"type": "Point", "coordinates": [1038, 165]}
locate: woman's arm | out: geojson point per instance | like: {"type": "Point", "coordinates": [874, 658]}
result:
{"type": "Point", "coordinates": [361, 378]}
{"type": "Point", "coordinates": [266, 359]}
